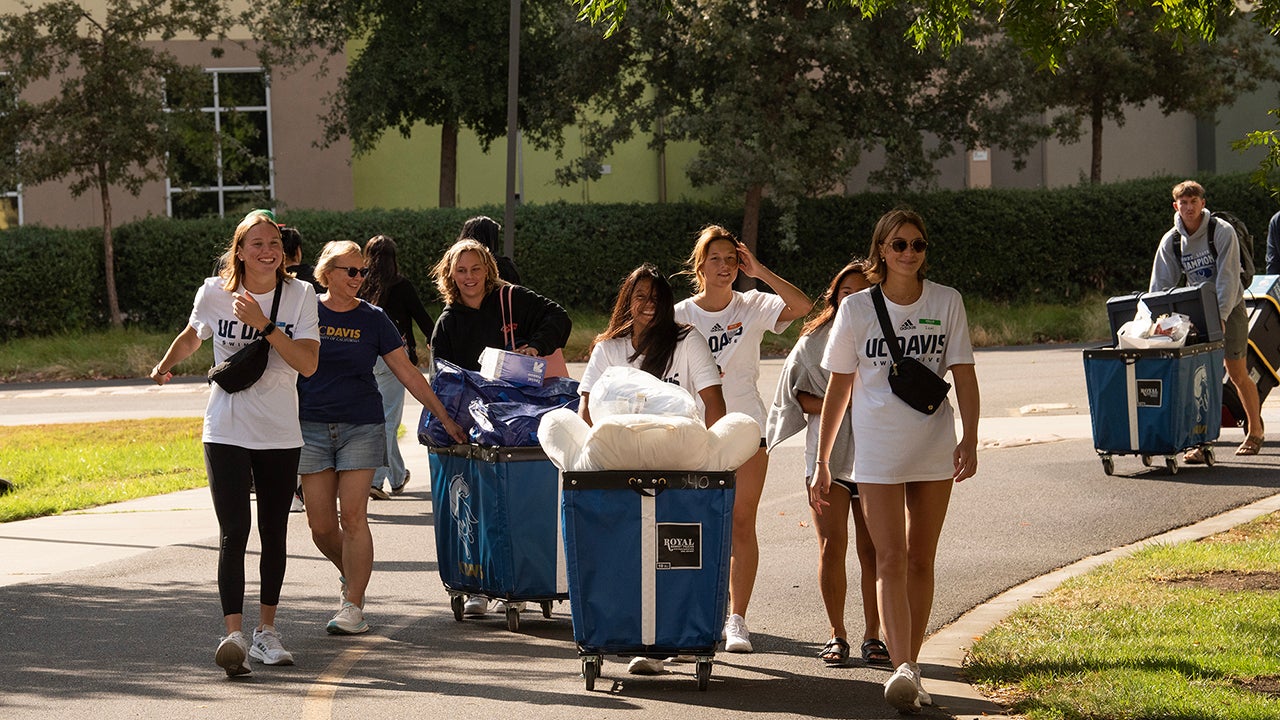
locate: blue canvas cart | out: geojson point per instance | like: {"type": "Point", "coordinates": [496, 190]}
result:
{"type": "Point", "coordinates": [496, 515]}
{"type": "Point", "coordinates": [1154, 402]}
{"type": "Point", "coordinates": [648, 560]}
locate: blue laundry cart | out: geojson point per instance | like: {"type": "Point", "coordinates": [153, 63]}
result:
{"type": "Point", "coordinates": [496, 515]}
{"type": "Point", "coordinates": [648, 560]}
{"type": "Point", "coordinates": [1153, 402]}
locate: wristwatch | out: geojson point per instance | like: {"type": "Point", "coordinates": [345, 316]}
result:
{"type": "Point", "coordinates": [270, 328]}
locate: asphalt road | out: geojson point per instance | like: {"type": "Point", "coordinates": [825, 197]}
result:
{"type": "Point", "coordinates": [134, 638]}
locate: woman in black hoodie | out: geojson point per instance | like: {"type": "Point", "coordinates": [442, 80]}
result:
{"type": "Point", "coordinates": [474, 296]}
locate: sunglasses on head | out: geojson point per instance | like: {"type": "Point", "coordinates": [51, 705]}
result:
{"type": "Point", "coordinates": [353, 271]}
{"type": "Point", "coordinates": [900, 245]}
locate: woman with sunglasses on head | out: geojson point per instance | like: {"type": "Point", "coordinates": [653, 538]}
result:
{"type": "Point", "coordinates": [343, 425]}
{"type": "Point", "coordinates": [906, 461]}
{"type": "Point", "coordinates": [797, 406]}
{"type": "Point", "coordinates": [734, 323]}
{"type": "Point", "coordinates": [251, 437]}
{"type": "Point", "coordinates": [398, 298]}
{"type": "Point", "coordinates": [472, 320]}
{"type": "Point", "coordinates": [467, 278]}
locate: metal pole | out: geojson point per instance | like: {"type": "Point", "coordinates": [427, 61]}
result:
{"type": "Point", "coordinates": [513, 87]}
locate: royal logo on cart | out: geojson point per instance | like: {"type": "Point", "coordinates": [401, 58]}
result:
{"type": "Point", "coordinates": [1150, 393]}
{"type": "Point", "coordinates": [463, 519]}
{"type": "Point", "coordinates": [679, 546]}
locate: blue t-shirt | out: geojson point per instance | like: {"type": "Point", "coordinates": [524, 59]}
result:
{"type": "Point", "coordinates": [343, 389]}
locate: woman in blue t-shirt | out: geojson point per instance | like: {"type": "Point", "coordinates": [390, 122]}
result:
{"type": "Point", "coordinates": [343, 426]}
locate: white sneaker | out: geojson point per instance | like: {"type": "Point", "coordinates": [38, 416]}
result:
{"type": "Point", "coordinates": [925, 697]}
{"type": "Point", "coordinates": [901, 691]}
{"type": "Point", "coordinates": [475, 605]}
{"type": "Point", "coordinates": [646, 666]}
{"type": "Point", "coordinates": [682, 659]}
{"type": "Point", "coordinates": [736, 637]}
{"type": "Point", "coordinates": [348, 621]}
{"type": "Point", "coordinates": [297, 505]}
{"type": "Point", "coordinates": [231, 654]}
{"type": "Point", "coordinates": [267, 649]}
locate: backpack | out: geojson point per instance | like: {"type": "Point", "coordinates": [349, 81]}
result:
{"type": "Point", "coordinates": [1247, 267]}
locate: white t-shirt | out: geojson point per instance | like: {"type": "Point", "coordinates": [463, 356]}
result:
{"type": "Point", "coordinates": [263, 416]}
{"type": "Point", "coordinates": [733, 335]}
{"type": "Point", "coordinates": [897, 444]}
{"type": "Point", "coordinates": [692, 366]}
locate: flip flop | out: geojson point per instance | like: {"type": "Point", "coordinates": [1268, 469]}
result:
{"type": "Point", "coordinates": [1193, 456]}
{"type": "Point", "coordinates": [874, 652]}
{"type": "Point", "coordinates": [1252, 445]}
{"type": "Point", "coordinates": [835, 652]}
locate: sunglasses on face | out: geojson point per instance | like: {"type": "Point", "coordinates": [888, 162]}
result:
{"type": "Point", "coordinates": [353, 271]}
{"type": "Point", "coordinates": [918, 245]}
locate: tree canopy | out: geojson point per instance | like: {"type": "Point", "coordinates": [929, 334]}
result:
{"type": "Point", "coordinates": [110, 122]}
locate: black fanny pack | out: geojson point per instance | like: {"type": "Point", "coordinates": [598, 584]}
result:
{"type": "Point", "coordinates": [911, 380]}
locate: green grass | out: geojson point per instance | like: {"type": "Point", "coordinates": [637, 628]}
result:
{"type": "Point", "coordinates": [131, 353]}
{"type": "Point", "coordinates": [57, 468]}
{"type": "Point", "coordinates": [1183, 631]}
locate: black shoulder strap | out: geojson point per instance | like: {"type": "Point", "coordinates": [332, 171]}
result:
{"type": "Point", "coordinates": [275, 301]}
{"type": "Point", "coordinates": [877, 299]}
{"type": "Point", "coordinates": [1213, 228]}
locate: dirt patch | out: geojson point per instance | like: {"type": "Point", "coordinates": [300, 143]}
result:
{"type": "Point", "coordinates": [1265, 685]}
{"type": "Point", "coordinates": [1231, 581]}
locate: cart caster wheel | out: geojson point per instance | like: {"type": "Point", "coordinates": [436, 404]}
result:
{"type": "Point", "coordinates": [1146, 461]}
{"type": "Point", "coordinates": [1108, 465]}
{"type": "Point", "coordinates": [590, 671]}
{"type": "Point", "coordinates": [513, 618]}
{"type": "Point", "coordinates": [456, 602]}
{"type": "Point", "coordinates": [546, 609]}
{"type": "Point", "coordinates": [703, 673]}
{"type": "Point", "coordinates": [1171, 463]}
{"type": "Point", "coordinates": [1209, 459]}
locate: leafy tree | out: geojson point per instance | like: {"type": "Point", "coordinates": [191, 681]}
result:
{"type": "Point", "coordinates": [444, 63]}
{"type": "Point", "coordinates": [108, 124]}
{"type": "Point", "coordinates": [1045, 27]}
{"type": "Point", "coordinates": [784, 96]}
{"type": "Point", "coordinates": [1134, 62]}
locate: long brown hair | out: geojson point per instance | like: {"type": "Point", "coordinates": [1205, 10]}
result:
{"type": "Point", "coordinates": [658, 345]}
{"type": "Point", "coordinates": [232, 271]}
{"type": "Point", "coordinates": [886, 226]}
{"type": "Point", "coordinates": [443, 270]}
{"type": "Point", "coordinates": [829, 303]}
{"type": "Point", "coordinates": [693, 264]}
{"type": "Point", "coordinates": [380, 256]}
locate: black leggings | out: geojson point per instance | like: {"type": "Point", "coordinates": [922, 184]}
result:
{"type": "Point", "coordinates": [274, 475]}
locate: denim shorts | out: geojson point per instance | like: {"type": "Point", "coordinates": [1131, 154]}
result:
{"type": "Point", "coordinates": [342, 446]}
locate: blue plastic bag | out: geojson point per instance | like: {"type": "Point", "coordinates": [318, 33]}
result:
{"type": "Point", "coordinates": [457, 388]}
{"type": "Point", "coordinates": [508, 424]}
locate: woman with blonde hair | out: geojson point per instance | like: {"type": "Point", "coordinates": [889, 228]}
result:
{"type": "Point", "coordinates": [344, 427]}
{"type": "Point", "coordinates": [906, 461]}
{"type": "Point", "coordinates": [733, 324]}
{"type": "Point", "coordinates": [251, 437]}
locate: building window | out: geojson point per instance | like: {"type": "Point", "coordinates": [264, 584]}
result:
{"type": "Point", "coordinates": [235, 173]}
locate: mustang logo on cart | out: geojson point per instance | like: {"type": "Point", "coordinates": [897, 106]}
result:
{"type": "Point", "coordinates": [463, 519]}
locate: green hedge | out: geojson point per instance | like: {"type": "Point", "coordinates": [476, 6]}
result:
{"type": "Point", "coordinates": [1002, 245]}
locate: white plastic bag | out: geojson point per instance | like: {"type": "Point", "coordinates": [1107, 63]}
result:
{"type": "Point", "coordinates": [1174, 326]}
{"type": "Point", "coordinates": [623, 390]}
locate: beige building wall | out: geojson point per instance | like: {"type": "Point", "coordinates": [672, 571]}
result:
{"type": "Point", "coordinates": [304, 176]}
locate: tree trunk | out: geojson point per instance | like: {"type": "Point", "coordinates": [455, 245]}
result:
{"type": "Point", "coordinates": [108, 251]}
{"type": "Point", "coordinates": [1095, 159]}
{"type": "Point", "coordinates": [449, 164]}
{"type": "Point", "coordinates": [750, 230]}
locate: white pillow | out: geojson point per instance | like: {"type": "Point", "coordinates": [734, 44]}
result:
{"type": "Point", "coordinates": [646, 442]}
{"type": "Point", "coordinates": [562, 434]}
{"type": "Point", "coordinates": [734, 439]}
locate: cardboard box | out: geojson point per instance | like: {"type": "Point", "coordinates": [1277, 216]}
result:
{"type": "Point", "coordinates": [513, 367]}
